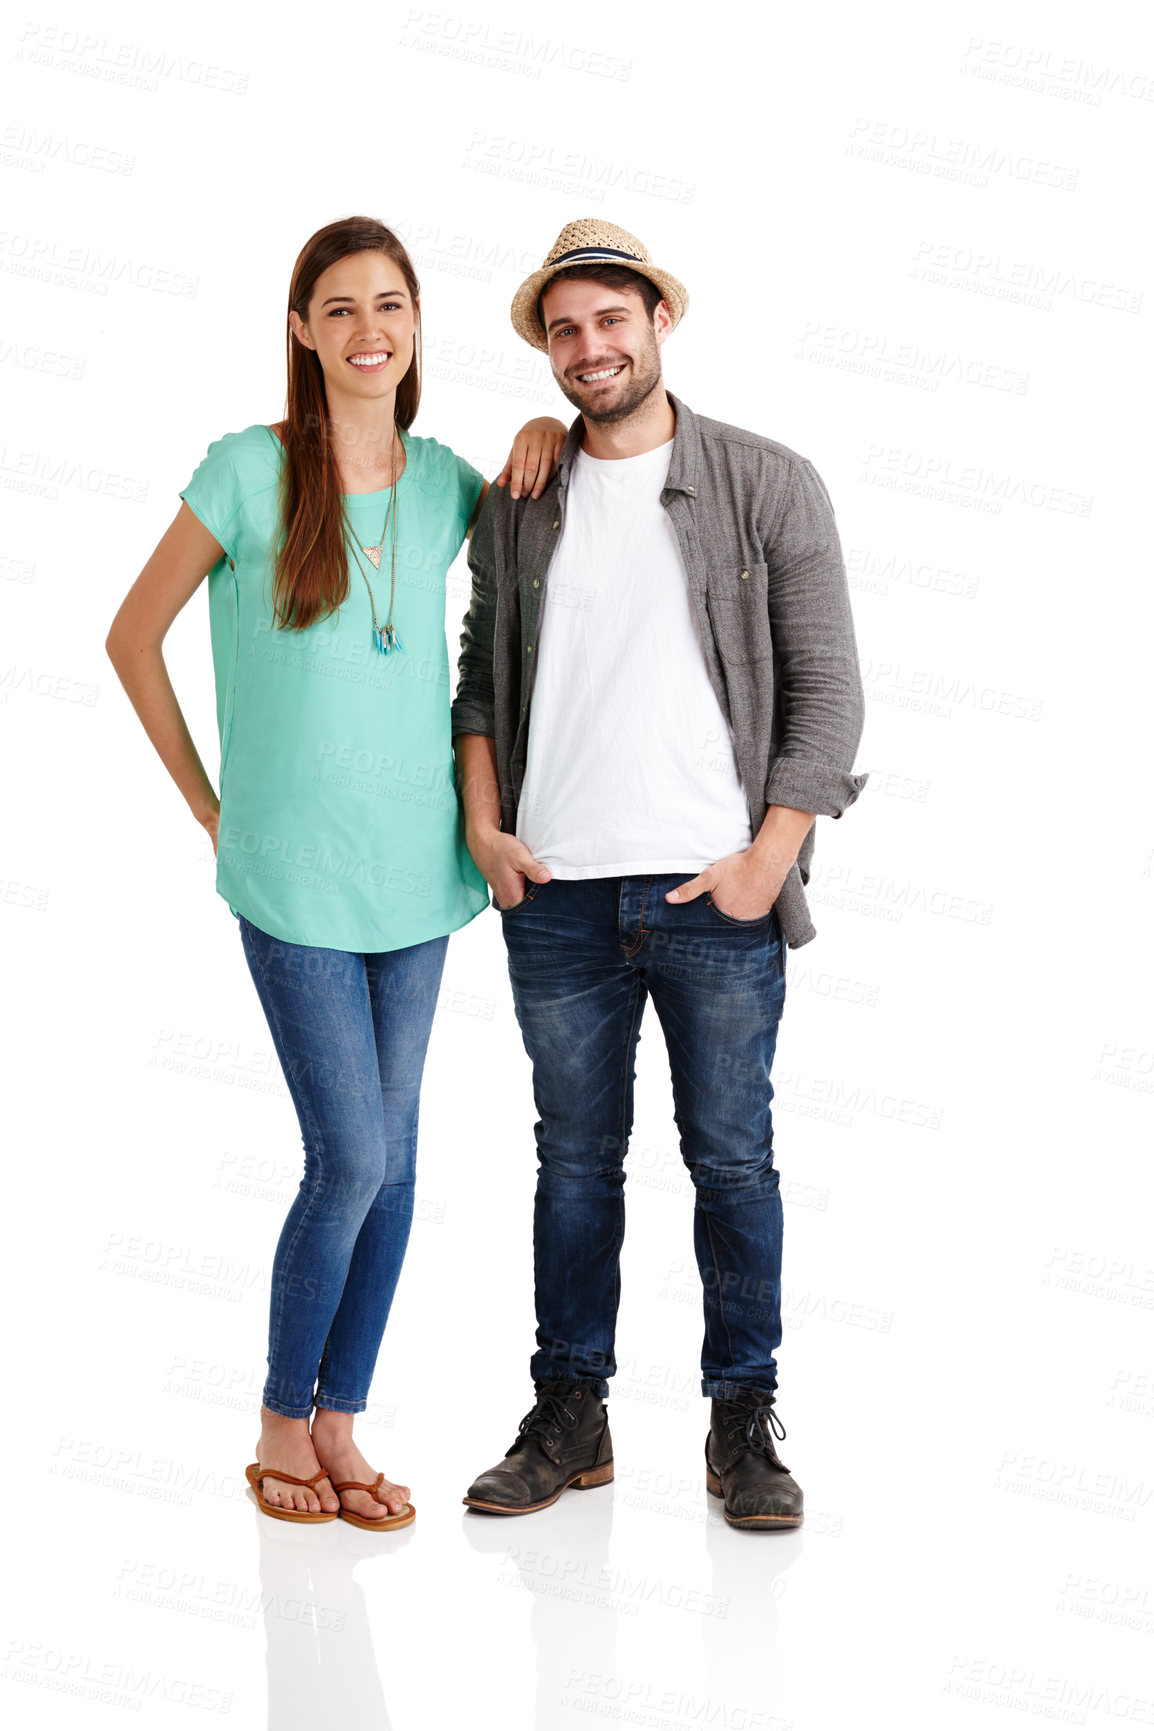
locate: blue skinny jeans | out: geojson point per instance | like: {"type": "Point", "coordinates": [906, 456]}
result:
{"type": "Point", "coordinates": [351, 1033]}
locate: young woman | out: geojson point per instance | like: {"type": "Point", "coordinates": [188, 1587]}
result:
{"type": "Point", "coordinates": [339, 845]}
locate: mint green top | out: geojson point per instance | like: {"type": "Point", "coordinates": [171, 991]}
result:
{"type": "Point", "coordinates": [339, 819]}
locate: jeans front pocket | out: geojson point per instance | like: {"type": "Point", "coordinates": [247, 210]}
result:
{"type": "Point", "coordinates": [514, 907]}
{"type": "Point", "coordinates": [748, 925]}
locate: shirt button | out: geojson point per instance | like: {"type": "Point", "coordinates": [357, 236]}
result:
{"type": "Point", "coordinates": [557, 524]}
{"type": "Point", "coordinates": [536, 582]}
{"type": "Point", "coordinates": [745, 573]}
{"type": "Point", "coordinates": [529, 651]}
{"type": "Point", "coordinates": [690, 489]}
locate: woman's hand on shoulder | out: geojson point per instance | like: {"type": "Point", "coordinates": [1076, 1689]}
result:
{"type": "Point", "coordinates": [533, 459]}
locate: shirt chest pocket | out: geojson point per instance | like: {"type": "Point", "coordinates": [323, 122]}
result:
{"type": "Point", "coordinates": [738, 599]}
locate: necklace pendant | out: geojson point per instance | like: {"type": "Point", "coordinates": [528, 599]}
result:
{"type": "Point", "coordinates": [374, 554]}
{"type": "Point", "coordinates": [393, 640]}
{"type": "Point", "coordinates": [379, 642]}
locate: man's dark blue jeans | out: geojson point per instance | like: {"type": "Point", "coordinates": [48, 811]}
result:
{"type": "Point", "coordinates": [584, 956]}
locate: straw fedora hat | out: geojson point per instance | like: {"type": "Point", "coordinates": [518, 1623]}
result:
{"type": "Point", "coordinates": [591, 241]}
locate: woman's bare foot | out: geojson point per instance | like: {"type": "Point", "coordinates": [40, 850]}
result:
{"type": "Point", "coordinates": [285, 1445]}
{"type": "Point", "coordinates": [332, 1439]}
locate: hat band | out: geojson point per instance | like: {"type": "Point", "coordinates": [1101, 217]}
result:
{"type": "Point", "coordinates": [588, 254]}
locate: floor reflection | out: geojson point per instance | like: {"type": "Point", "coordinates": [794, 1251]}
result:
{"type": "Point", "coordinates": [322, 1665]}
{"type": "Point", "coordinates": [750, 1571]}
{"type": "Point", "coordinates": [560, 1556]}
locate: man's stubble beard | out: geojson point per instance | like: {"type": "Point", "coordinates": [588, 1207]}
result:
{"type": "Point", "coordinates": [646, 379]}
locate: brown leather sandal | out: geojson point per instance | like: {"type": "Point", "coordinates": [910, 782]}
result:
{"type": "Point", "coordinates": [383, 1523]}
{"type": "Point", "coordinates": [255, 1473]}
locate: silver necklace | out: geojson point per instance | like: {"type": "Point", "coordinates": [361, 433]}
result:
{"type": "Point", "coordinates": [384, 636]}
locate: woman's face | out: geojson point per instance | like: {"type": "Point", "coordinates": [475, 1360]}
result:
{"type": "Point", "coordinates": [362, 325]}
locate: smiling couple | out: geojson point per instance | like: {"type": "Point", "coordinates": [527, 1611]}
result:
{"type": "Point", "coordinates": [659, 691]}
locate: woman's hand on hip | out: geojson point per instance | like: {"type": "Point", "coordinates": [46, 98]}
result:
{"type": "Point", "coordinates": [211, 822]}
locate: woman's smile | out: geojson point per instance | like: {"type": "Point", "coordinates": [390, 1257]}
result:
{"type": "Point", "coordinates": [371, 360]}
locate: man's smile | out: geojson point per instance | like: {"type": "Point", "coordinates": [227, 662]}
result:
{"type": "Point", "coordinates": [601, 373]}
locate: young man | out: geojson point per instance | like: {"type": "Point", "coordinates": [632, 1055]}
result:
{"type": "Point", "coordinates": [659, 690]}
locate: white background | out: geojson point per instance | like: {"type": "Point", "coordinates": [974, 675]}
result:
{"type": "Point", "coordinates": [914, 239]}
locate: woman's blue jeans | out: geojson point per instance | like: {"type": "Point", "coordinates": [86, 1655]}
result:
{"type": "Point", "coordinates": [584, 956]}
{"type": "Point", "coordinates": [351, 1033]}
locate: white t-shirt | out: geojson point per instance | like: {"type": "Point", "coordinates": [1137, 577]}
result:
{"type": "Point", "coordinates": [630, 764]}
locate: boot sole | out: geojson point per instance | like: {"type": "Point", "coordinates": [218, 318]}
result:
{"type": "Point", "coordinates": [750, 1523]}
{"type": "Point", "coordinates": [582, 1481]}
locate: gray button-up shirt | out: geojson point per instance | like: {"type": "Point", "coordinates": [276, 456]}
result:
{"type": "Point", "coordinates": [764, 567]}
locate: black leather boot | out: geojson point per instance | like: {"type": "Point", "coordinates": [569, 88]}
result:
{"type": "Point", "coordinates": [741, 1465]}
{"type": "Point", "coordinates": [562, 1443]}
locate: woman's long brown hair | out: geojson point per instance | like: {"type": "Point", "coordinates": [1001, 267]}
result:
{"type": "Point", "coordinates": [311, 577]}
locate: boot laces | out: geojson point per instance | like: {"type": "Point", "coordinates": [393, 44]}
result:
{"type": "Point", "coordinates": [758, 1436]}
{"type": "Point", "coordinates": [550, 1416]}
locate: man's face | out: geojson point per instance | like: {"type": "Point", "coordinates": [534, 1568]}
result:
{"type": "Point", "coordinates": [604, 349]}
